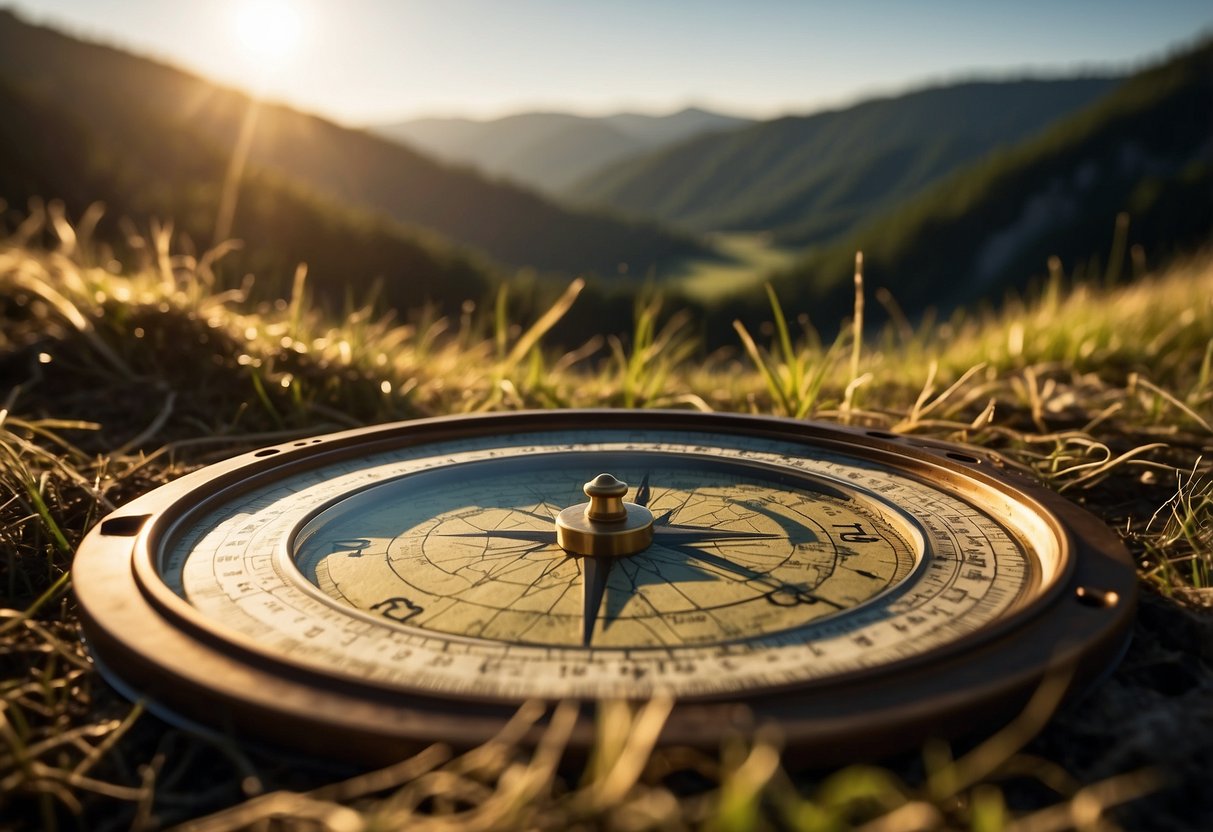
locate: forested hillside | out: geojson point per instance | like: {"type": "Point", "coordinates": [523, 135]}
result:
{"type": "Point", "coordinates": [1140, 160]}
{"type": "Point", "coordinates": [810, 178]}
{"type": "Point", "coordinates": [159, 171]}
{"type": "Point", "coordinates": [130, 103]}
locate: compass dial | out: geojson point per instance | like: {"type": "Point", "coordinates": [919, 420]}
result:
{"type": "Point", "coordinates": [765, 568]}
{"type": "Point", "coordinates": [393, 571]}
{"type": "Point", "coordinates": [738, 551]}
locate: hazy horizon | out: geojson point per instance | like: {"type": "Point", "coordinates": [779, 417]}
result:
{"type": "Point", "coordinates": [365, 64]}
{"type": "Point", "coordinates": [910, 86]}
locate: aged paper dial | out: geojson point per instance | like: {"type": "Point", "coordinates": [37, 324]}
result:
{"type": "Point", "coordinates": [738, 551]}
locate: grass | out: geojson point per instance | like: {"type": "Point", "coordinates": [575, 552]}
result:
{"type": "Point", "coordinates": [119, 377]}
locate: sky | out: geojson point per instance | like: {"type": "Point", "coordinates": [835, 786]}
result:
{"type": "Point", "coordinates": [378, 61]}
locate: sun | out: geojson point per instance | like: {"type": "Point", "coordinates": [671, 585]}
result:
{"type": "Point", "coordinates": [269, 29]}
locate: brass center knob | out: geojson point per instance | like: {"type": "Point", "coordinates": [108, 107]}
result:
{"type": "Point", "coordinates": [606, 525]}
{"type": "Point", "coordinates": [606, 498]}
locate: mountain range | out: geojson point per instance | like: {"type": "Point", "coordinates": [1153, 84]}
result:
{"type": "Point", "coordinates": [810, 178]}
{"type": "Point", "coordinates": [552, 151]}
{"type": "Point", "coordinates": [954, 194]}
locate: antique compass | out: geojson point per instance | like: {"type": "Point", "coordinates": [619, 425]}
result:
{"type": "Point", "coordinates": [371, 590]}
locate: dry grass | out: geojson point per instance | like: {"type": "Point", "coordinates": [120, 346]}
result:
{"type": "Point", "coordinates": [117, 378]}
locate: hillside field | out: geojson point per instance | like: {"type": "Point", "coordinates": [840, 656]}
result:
{"type": "Point", "coordinates": [119, 376]}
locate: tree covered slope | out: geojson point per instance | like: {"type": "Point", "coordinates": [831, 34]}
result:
{"type": "Point", "coordinates": [1144, 151]}
{"type": "Point", "coordinates": [813, 177]}
{"type": "Point", "coordinates": [120, 97]}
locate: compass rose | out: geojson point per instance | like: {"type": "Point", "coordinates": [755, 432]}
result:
{"type": "Point", "coordinates": [607, 528]}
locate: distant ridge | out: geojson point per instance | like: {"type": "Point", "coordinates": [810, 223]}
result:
{"type": "Point", "coordinates": [551, 151]}
{"type": "Point", "coordinates": [677, 126]}
{"type": "Point", "coordinates": [1144, 151]}
{"type": "Point", "coordinates": [810, 178]}
{"type": "Point", "coordinates": [116, 94]}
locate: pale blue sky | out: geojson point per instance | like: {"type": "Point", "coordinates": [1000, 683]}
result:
{"type": "Point", "coordinates": [362, 61]}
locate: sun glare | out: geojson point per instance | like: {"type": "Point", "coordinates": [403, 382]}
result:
{"type": "Point", "coordinates": [268, 29]}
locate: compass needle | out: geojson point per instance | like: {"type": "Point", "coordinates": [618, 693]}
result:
{"type": "Point", "coordinates": [691, 534]}
{"type": "Point", "coordinates": [415, 583]}
{"type": "Point", "coordinates": [643, 494]}
{"type": "Point", "coordinates": [664, 519]}
{"type": "Point", "coordinates": [531, 536]}
{"type": "Point", "coordinates": [595, 572]}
